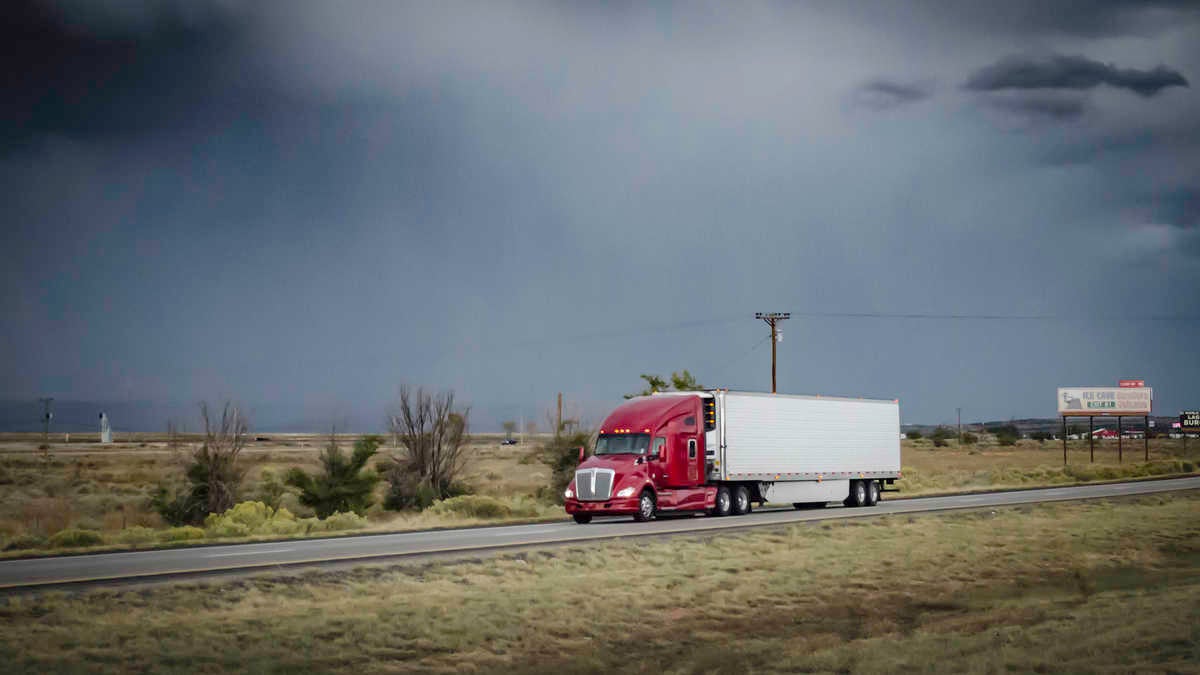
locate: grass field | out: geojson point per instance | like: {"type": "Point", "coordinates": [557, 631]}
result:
{"type": "Point", "coordinates": [1086, 587]}
{"type": "Point", "coordinates": [105, 488]}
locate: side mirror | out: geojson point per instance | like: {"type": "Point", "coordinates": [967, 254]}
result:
{"type": "Point", "coordinates": [580, 455]}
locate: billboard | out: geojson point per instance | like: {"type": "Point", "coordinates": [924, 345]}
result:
{"type": "Point", "coordinates": [1189, 420]}
{"type": "Point", "coordinates": [1131, 383]}
{"type": "Point", "coordinates": [1085, 401]}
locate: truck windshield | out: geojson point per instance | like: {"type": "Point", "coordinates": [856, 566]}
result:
{"type": "Point", "coordinates": [623, 444]}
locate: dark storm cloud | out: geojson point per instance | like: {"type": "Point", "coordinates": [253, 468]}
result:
{"type": "Point", "coordinates": [1048, 108]}
{"type": "Point", "coordinates": [1070, 72]}
{"type": "Point", "coordinates": [1179, 207]}
{"type": "Point", "coordinates": [93, 70]}
{"type": "Point", "coordinates": [1087, 19]}
{"type": "Point", "coordinates": [886, 94]}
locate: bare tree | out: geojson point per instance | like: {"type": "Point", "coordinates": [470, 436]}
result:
{"type": "Point", "coordinates": [214, 473]}
{"type": "Point", "coordinates": [432, 437]}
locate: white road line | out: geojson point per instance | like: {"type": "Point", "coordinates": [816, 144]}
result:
{"type": "Point", "coordinates": [229, 555]}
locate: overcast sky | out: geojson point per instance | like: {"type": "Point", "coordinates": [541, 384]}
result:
{"type": "Point", "coordinates": [303, 205]}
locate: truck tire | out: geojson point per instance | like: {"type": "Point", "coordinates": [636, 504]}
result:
{"type": "Point", "coordinates": [858, 493]}
{"type": "Point", "coordinates": [582, 518]}
{"type": "Point", "coordinates": [741, 501]}
{"type": "Point", "coordinates": [872, 493]}
{"type": "Point", "coordinates": [646, 507]}
{"type": "Point", "coordinates": [721, 508]}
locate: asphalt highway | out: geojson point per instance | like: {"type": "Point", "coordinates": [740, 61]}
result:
{"type": "Point", "coordinates": [101, 568]}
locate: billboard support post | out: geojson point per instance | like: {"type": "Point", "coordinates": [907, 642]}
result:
{"type": "Point", "coordinates": [1091, 441]}
{"type": "Point", "coordinates": [1120, 453]}
{"type": "Point", "coordinates": [1146, 436]}
{"type": "Point", "coordinates": [1064, 419]}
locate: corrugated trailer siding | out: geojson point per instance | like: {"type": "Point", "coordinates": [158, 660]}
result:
{"type": "Point", "coordinates": [769, 434]}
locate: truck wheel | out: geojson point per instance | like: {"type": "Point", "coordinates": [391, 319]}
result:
{"type": "Point", "coordinates": [872, 493]}
{"type": "Point", "coordinates": [723, 502]}
{"type": "Point", "coordinates": [741, 501]}
{"type": "Point", "coordinates": [645, 507]}
{"type": "Point", "coordinates": [858, 493]}
{"type": "Point", "coordinates": [582, 518]}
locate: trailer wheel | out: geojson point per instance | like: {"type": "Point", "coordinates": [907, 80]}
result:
{"type": "Point", "coordinates": [582, 518]}
{"type": "Point", "coordinates": [645, 507]}
{"type": "Point", "coordinates": [858, 493]}
{"type": "Point", "coordinates": [723, 502]}
{"type": "Point", "coordinates": [872, 493]}
{"type": "Point", "coordinates": [741, 501]}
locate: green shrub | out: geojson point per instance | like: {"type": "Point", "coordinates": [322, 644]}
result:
{"type": "Point", "coordinates": [344, 483]}
{"type": "Point", "coordinates": [137, 535]}
{"type": "Point", "coordinates": [969, 438]}
{"type": "Point", "coordinates": [73, 537]}
{"type": "Point", "coordinates": [24, 542]}
{"type": "Point", "coordinates": [344, 521]}
{"type": "Point", "coordinates": [250, 518]}
{"type": "Point", "coordinates": [561, 453]}
{"type": "Point", "coordinates": [915, 435]}
{"type": "Point", "coordinates": [405, 491]}
{"type": "Point", "coordinates": [940, 437]}
{"type": "Point", "coordinates": [472, 506]}
{"type": "Point", "coordinates": [227, 528]}
{"type": "Point", "coordinates": [250, 514]}
{"type": "Point", "coordinates": [270, 489]}
{"type": "Point", "coordinates": [185, 533]}
{"type": "Point", "coordinates": [280, 526]}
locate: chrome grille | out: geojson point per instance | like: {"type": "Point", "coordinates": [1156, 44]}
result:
{"type": "Point", "coordinates": [593, 485]}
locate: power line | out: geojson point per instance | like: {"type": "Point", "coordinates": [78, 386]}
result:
{"type": "Point", "coordinates": [991, 317]}
{"type": "Point", "coordinates": [729, 364]}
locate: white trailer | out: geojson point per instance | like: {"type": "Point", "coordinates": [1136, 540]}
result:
{"type": "Point", "coordinates": [804, 449]}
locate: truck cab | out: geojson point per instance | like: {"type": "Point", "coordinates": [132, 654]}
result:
{"type": "Point", "coordinates": [650, 456]}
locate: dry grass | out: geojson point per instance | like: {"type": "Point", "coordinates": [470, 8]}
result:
{"type": "Point", "coordinates": [1098, 586]}
{"type": "Point", "coordinates": [930, 470]}
{"type": "Point", "coordinates": [106, 487]}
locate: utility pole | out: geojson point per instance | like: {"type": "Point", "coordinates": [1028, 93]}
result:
{"type": "Point", "coordinates": [558, 419]}
{"type": "Point", "coordinates": [773, 318]}
{"type": "Point", "coordinates": [46, 416]}
{"type": "Point", "coordinates": [959, 411]}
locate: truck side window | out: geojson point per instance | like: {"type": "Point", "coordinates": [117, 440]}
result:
{"type": "Point", "coordinates": [691, 448]}
{"type": "Point", "coordinates": [660, 444]}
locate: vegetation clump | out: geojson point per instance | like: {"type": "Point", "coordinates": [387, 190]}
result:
{"type": "Point", "coordinates": [473, 506]}
{"type": "Point", "coordinates": [213, 475]}
{"type": "Point", "coordinates": [344, 483]}
{"type": "Point", "coordinates": [431, 435]}
{"type": "Point", "coordinates": [251, 518]}
{"type": "Point", "coordinates": [183, 533]}
{"type": "Point", "coordinates": [561, 454]}
{"type": "Point", "coordinates": [941, 436]}
{"type": "Point", "coordinates": [137, 535]}
{"type": "Point", "coordinates": [74, 538]}
{"type": "Point", "coordinates": [24, 542]}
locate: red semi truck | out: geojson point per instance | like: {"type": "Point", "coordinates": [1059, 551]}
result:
{"type": "Point", "coordinates": [721, 451]}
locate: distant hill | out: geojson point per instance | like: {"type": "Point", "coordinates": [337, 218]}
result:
{"type": "Point", "coordinates": [73, 416]}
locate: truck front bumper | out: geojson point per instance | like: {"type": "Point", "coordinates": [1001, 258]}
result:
{"type": "Point", "coordinates": [614, 507]}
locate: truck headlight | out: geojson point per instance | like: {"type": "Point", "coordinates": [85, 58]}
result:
{"type": "Point", "coordinates": [569, 493]}
{"type": "Point", "coordinates": [625, 492]}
